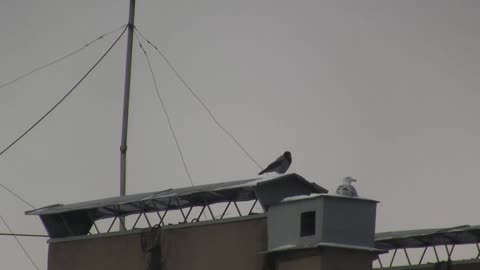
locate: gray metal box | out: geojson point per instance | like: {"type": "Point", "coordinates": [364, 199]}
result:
{"type": "Point", "coordinates": [338, 220]}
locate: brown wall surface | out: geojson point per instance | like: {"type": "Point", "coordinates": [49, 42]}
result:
{"type": "Point", "coordinates": [232, 245]}
{"type": "Point", "coordinates": [325, 259]}
{"type": "Point", "coordinates": [343, 259]}
{"type": "Point", "coordinates": [305, 263]}
{"type": "Point", "coordinates": [120, 252]}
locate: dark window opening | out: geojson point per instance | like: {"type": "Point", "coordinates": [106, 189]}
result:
{"type": "Point", "coordinates": [307, 223]}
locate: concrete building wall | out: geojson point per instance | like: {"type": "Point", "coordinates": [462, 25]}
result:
{"type": "Point", "coordinates": [349, 221]}
{"type": "Point", "coordinates": [339, 220]}
{"type": "Point", "coordinates": [232, 244]}
{"type": "Point", "coordinates": [284, 223]}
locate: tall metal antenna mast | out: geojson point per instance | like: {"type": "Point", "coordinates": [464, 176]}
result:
{"type": "Point", "coordinates": [126, 103]}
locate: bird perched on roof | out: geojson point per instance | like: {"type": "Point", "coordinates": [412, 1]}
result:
{"type": "Point", "coordinates": [347, 189]}
{"type": "Point", "coordinates": [280, 165]}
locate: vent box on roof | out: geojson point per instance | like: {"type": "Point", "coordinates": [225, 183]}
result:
{"type": "Point", "coordinates": [306, 221]}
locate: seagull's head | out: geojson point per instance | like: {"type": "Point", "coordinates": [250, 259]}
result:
{"type": "Point", "coordinates": [288, 156]}
{"type": "Point", "coordinates": [349, 180]}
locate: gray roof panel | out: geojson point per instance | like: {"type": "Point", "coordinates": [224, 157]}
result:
{"type": "Point", "coordinates": [428, 237]}
{"type": "Point", "coordinates": [74, 219]}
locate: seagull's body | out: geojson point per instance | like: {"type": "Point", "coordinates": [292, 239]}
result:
{"type": "Point", "coordinates": [280, 165]}
{"type": "Point", "coordinates": [347, 189]}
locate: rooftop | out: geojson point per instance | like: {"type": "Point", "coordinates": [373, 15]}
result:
{"type": "Point", "coordinates": [78, 218]}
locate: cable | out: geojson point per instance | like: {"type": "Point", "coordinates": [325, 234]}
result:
{"type": "Point", "coordinates": [58, 103]}
{"type": "Point", "coordinates": [19, 243]}
{"type": "Point", "coordinates": [18, 196]}
{"type": "Point", "coordinates": [65, 96]}
{"type": "Point", "coordinates": [166, 114]}
{"type": "Point", "coordinates": [165, 110]}
{"type": "Point", "coordinates": [23, 234]}
{"type": "Point", "coordinates": [200, 100]}
{"type": "Point", "coordinates": [36, 123]}
{"type": "Point", "coordinates": [61, 58]}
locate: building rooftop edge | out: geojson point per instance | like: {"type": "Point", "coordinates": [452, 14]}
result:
{"type": "Point", "coordinates": [315, 196]}
{"type": "Point", "coordinates": [166, 227]}
{"type": "Point", "coordinates": [286, 248]}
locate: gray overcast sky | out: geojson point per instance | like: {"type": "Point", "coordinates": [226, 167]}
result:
{"type": "Point", "coordinates": [385, 91]}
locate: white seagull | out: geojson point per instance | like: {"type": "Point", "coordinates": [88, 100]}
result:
{"type": "Point", "coordinates": [280, 165]}
{"type": "Point", "coordinates": [347, 189]}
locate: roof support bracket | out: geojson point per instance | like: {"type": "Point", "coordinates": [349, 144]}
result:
{"type": "Point", "coordinates": [436, 253]}
{"type": "Point", "coordinates": [406, 255]}
{"type": "Point", "coordinates": [111, 225]}
{"type": "Point", "coordinates": [251, 209]}
{"type": "Point", "coordinates": [238, 209]}
{"type": "Point", "coordinates": [136, 221]}
{"type": "Point", "coordinates": [148, 221]}
{"type": "Point", "coordinates": [162, 217]}
{"type": "Point", "coordinates": [226, 208]}
{"type": "Point", "coordinates": [199, 215]}
{"type": "Point", "coordinates": [185, 220]}
{"type": "Point", "coordinates": [393, 257]}
{"type": "Point", "coordinates": [210, 210]}
{"type": "Point", "coordinates": [478, 249]}
{"type": "Point", "coordinates": [449, 253]}
{"type": "Point", "coordinates": [423, 255]}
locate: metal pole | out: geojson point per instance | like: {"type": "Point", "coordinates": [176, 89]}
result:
{"type": "Point", "coordinates": [126, 103]}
